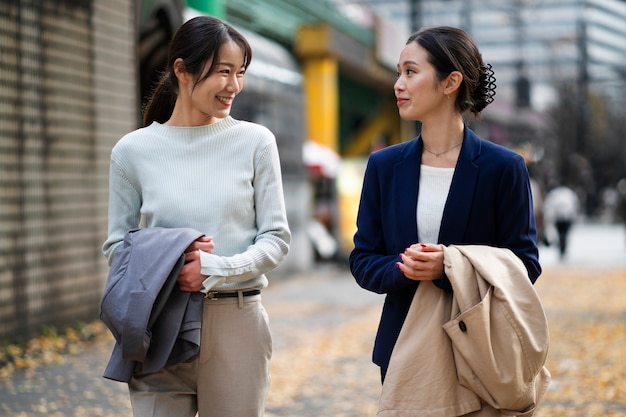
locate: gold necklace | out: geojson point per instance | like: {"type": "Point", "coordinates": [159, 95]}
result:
{"type": "Point", "coordinates": [437, 155]}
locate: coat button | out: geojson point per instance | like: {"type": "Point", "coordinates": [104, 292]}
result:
{"type": "Point", "coordinates": [462, 326]}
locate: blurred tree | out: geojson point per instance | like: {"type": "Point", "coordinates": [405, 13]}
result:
{"type": "Point", "coordinates": [600, 163]}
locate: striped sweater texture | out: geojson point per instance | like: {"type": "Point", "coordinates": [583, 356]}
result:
{"type": "Point", "coordinates": [222, 179]}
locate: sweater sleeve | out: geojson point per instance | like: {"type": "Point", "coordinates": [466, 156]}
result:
{"type": "Point", "coordinates": [124, 207]}
{"type": "Point", "coordinates": [273, 236]}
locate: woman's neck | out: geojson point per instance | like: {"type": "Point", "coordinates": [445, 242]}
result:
{"type": "Point", "coordinates": [442, 142]}
{"type": "Point", "coordinates": [440, 135]}
{"type": "Point", "coordinates": [184, 116]}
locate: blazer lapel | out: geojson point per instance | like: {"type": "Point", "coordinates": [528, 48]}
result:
{"type": "Point", "coordinates": [406, 187]}
{"type": "Point", "coordinates": [457, 209]}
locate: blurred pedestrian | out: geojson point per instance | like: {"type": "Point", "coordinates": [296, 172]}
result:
{"type": "Point", "coordinates": [560, 210]}
{"type": "Point", "coordinates": [621, 201]}
{"type": "Point", "coordinates": [447, 186]}
{"type": "Point", "coordinates": [194, 166]}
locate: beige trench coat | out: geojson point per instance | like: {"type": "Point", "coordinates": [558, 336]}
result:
{"type": "Point", "coordinates": [479, 352]}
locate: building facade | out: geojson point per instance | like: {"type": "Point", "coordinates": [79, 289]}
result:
{"type": "Point", "coordinates": [542, 40]}
{"type": "Point", "coordinates": [68, 92]}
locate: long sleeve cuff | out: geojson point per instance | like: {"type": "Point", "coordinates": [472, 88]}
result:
{"type": "Point", "coordinates": [210, 282]}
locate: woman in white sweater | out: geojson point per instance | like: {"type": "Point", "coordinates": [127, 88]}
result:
{"type": "Point", "coordinates": [194, 166]}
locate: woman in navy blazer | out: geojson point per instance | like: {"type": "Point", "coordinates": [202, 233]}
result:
{"type": "Point", "coordinates": [447, 186]}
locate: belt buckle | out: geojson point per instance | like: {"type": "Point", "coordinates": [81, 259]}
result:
{"type": "Point", "coordinates": [211, 295]}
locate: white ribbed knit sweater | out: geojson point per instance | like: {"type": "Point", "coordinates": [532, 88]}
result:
{"type": "Point", "coordinates": [434, 188]}
{"type": "Point", "coordinates": [222, 179]}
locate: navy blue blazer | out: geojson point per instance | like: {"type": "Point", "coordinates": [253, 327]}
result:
{"type": "Point", "coordinates": [489, 203]}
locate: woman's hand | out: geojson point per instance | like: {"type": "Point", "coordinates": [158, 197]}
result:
{"type": "Point", "coordinates": [203, 243]}
{"type": "Point", "coordinates": [190, 279]}
{"type": "Point", "coordinates": [422, 262]}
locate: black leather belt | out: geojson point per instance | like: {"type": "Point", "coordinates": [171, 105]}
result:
{"type": "Point", "coordinates": [214, 295]}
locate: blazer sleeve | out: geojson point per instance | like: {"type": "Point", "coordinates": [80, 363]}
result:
{"type": "Point", "coordinates": [376, 248]}
{"type": "Point", "coordinates": [517, 230]}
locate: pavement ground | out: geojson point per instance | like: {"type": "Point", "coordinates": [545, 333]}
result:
{"type": "Point", "coordinates": [323, 326]}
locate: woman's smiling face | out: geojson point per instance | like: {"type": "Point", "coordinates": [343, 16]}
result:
{"type": "Point", "coordinates": [212, 97]}
{"type": "Point", "coordinates": [418, 91]}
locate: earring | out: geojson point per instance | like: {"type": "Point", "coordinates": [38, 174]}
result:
{"type": "Point", "coordinates": [448, 95]}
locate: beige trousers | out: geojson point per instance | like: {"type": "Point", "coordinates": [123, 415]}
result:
{"type": "Point", "coordinates": [229, 378]}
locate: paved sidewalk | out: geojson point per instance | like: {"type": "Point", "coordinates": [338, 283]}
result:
{"type": "Point", "coordinates": [323, 326]}
{"type": "Point", "coordinates": [322, 318]}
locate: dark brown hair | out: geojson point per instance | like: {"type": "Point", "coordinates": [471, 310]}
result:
{"type": "Point", "coordinates": [196, 42]}
{"type": "Point", "coordinates": [451, 49]}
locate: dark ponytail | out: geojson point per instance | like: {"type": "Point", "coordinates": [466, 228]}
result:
{"type": "Point", "coordinates": [197, 42]}
{"type": "Point", "coordinates": [161, 103]}
{"type": "Point", "coordinates": [451, 49]}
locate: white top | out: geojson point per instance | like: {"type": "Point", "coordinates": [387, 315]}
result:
{"type": "Point", "coordinates": [560, 203]}
{"type": "Point", "coordinates": [222, 179]}
{"type": "Point", "coordinates": [434, 186]}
